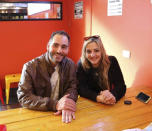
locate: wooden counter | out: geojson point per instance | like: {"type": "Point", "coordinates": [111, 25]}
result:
{"type": "Point", "coordinates": [90, 116]}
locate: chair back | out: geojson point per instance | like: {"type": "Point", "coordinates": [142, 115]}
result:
{"type": "Point", "coordinates": [1, 94]}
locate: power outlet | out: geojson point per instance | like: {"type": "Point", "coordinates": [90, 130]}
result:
{"type": "Point", "coordinates": [126, 53]}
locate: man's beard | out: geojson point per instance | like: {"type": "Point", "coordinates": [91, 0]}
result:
{"type": "Point", "coordinates": [52, 59]}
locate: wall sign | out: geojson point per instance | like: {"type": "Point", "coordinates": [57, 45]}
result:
{"type": "Point", "coordinates": [78, 10]}
{"type": "Point", "coordinates": [114, 7]}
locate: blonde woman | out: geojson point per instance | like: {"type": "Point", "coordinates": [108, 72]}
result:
{"type": "Point", "coordinates": [99, 75]}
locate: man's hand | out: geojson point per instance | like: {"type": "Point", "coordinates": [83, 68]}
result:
{"type": "Point", "coordinates": [106, 97]}
{"type": "Point", "coordinates": [66, 103]}
{"type": "Point", "coordinates": [67, 108]}
{"type": "Point", "coordinates": [67, 115]}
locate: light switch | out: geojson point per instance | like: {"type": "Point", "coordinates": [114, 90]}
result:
{"type": "Point", "coordinates": [126, 53]}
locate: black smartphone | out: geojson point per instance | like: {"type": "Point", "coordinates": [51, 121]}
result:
{"type": "Point", "coordinates": [143, 97]}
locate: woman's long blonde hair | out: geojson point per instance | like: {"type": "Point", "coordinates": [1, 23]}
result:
{"type": "Point", "coordinates": [104, 62]}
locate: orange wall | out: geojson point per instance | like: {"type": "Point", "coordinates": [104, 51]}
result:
{"type": "Point", "coordinates": [132, 31]}
{"type": "Point", "coordinates": [79, 28]}
{"type": "Point", "coordinates": [20, 41]}
{"type": "Point", "coordinates": [24, 40]}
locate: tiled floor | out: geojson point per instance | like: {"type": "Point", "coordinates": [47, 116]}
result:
{"type": "Point", "coordinates": [13, 102]}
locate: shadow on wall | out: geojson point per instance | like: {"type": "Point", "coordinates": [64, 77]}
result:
{"type": "Point", "coordinates": [143, 76]}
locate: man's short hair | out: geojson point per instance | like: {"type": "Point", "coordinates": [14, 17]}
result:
{"type": "Point", "coordinates": [61, 32]}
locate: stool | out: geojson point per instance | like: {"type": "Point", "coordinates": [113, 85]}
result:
{"type": "Point", "coordinates": [8, 80]}
{"type": "Point", "coordinates": [1, 95]}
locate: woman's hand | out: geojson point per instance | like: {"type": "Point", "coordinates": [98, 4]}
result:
{"type": "Point", "coordinates": [106, 97]}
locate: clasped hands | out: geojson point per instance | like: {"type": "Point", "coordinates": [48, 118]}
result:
{"type": "Point", "coordinates": [106, 97]}
{"type": "Point", "coordinates": [67, 108]}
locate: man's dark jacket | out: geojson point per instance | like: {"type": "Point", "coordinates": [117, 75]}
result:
{"type": "Point", "coordinates": [35, 88]}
